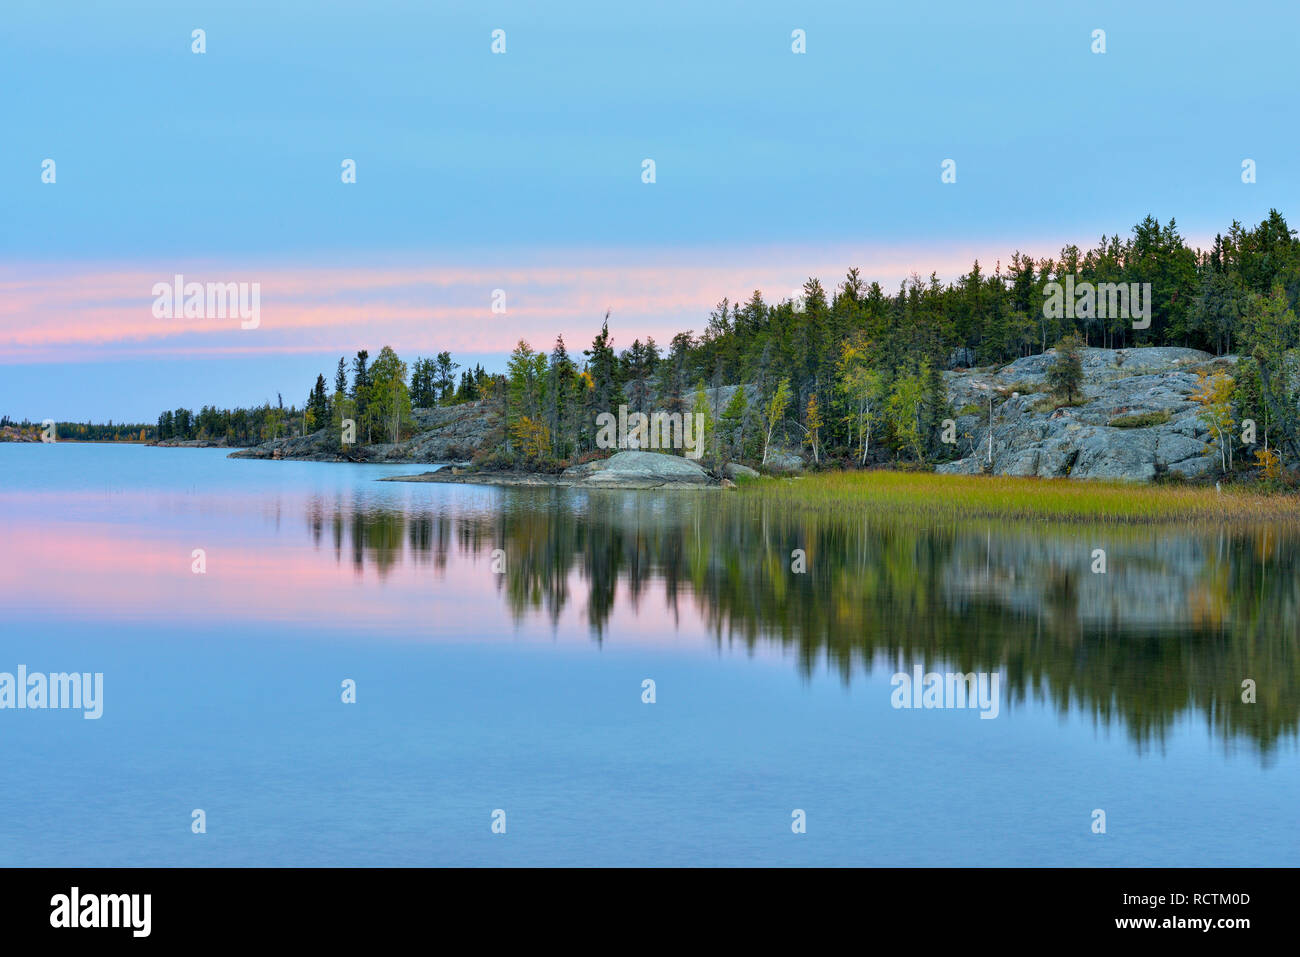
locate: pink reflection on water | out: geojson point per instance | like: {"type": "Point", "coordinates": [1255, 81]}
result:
{"type": "Point", "coordinates": [263, 567]}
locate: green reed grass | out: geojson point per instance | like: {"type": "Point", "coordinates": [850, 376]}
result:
{"type": "Point", "coordinates": [931, 497]}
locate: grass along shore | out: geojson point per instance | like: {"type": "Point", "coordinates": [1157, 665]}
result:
{"type": "Point", "coordinates": [929, 497]}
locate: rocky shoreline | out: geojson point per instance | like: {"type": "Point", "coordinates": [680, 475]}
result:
{"type": "Point", "coordinates": [192, 444]}
{"type": "Point", "coordinates": [1136, 421]}
{"type": "Point", "coordinates": [451, 434]}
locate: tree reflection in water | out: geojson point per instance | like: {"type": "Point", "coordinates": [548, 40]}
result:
{"type": "Point", "coordinates": [1178, 620]}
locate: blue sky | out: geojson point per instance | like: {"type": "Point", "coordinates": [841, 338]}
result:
{"type": "Point", "coordinates": [774, 161]}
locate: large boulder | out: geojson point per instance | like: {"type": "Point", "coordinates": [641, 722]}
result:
{"type": "Point", "coordinates": [783, 460]}
{"type": "Point", "coordinates": [638, 470]}
{"type": "Point", "coordinates": [970, 465]}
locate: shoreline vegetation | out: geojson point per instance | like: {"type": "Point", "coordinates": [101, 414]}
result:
{"type": "Point", "coordinates": [933, 497]}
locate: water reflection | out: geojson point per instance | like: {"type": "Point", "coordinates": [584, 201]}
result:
{"type": "Point", "coordinates": [1176, 622]}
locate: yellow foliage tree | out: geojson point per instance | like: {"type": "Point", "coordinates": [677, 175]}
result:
{"type": "Point", "coordinates": [532, 439]}
{"type": "Point", "coordinates": [1270, 462]}
{"type": "Point", "coordinates": [812, 426]}
{"type": "Point", "coordinates": [1214, 394]}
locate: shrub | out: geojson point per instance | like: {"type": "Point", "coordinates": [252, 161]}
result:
{"type": "Point", "coordinates": [1049, 404]}
{"type": "Point", "coordinates": [1140, 420]}
{"type": "Point", "coordinates": [493, 460]}
{"type": "Point", "coordinates": [1025, 387]}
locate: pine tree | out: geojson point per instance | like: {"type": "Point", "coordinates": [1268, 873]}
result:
{"type": "Point", "coordinates": [1270, 332]}
{"type": "Point", "coordinates": [560, 401]}
{"type": "Point", "coordinates": [318, 403]}
{"type": "Point", "coordinates": [706, 435]}
{"type": "Point", "coordinates": [606, 393]}
{"type": "Point", "coordinates": [936, 401]}
{"type": "Point", "coordinates": [733, 424]}
{"type": "Point", "coordinates": [361, 392]}
{"type": "Point", "coordinates": [1065, 375]}
{"type": "Point", "coordinates": [671, 380]}
{"type": "Point", "coordinates": [634, 363]}
{"type": "Point", "coordinates": [424, 384]}
{"type": "Point", "coordinates": [467, 391]}
{"type": "Point", "coordinates": [446, 379]}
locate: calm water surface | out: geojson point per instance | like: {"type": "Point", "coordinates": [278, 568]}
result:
{"type": "Point", "coordinates": [522, 690]}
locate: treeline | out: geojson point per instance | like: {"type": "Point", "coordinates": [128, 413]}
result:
{"type": "Point", "coordinates": [83, 431]}
{"type": "Point", "coordinates": [378, 400]}
{"type": "Point", "coordinates": [852, 374]}
{"type": "Point", "coordinates": [236, 426]}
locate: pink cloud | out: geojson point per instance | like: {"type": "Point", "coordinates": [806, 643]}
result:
{"type": "Point", "coordinates": [60, 313]}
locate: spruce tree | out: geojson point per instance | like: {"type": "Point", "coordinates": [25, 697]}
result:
{"type": "Point", "coordinates": [1065, 375]}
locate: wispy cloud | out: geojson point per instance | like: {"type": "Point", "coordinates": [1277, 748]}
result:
{"type": "Point", "coordinates": [66, 313]}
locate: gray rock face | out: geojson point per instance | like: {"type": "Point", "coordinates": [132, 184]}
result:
{"type": "Point", "coordinates": [783, 460]}
{"type": "Point", "coordinates": [734, 470]}
{"type": "Point", "coordinates": [317, 447]}
{"type": "Point", "coordinates": [637, 470]}
{"type": "Point", "coordinates": [1106, 364]}
{"type": "Point", "coordinates": [447, 434]}
{"type": "Point", "coordinates": [721, 397]}
{"type": "Point", "coordinates": [452, 433]}
{"type": "Point", "coordinates": [1080, 442]}
{"type": "Point", "coordinates": [962, 358]}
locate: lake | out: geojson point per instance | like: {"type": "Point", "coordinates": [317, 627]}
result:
{"type": "Point", "coordinates": [500, 643]}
